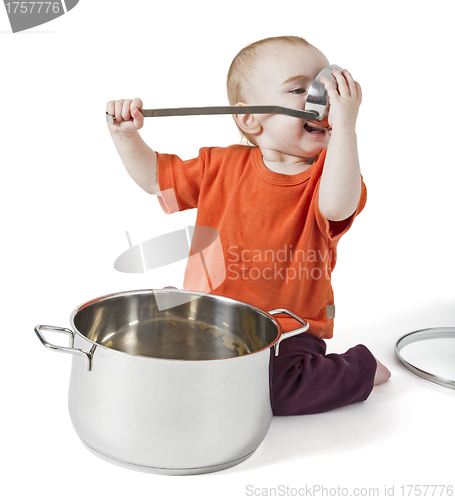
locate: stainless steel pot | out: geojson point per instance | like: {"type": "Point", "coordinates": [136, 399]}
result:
{"type": "Point", "coordinates": [178, 390]}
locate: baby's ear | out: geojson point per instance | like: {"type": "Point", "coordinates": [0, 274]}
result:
{"type": "Point", "coordinates": [248, 123]}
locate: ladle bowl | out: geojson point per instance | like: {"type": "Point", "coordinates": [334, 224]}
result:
{"type": "Point", "coordinates": [318, 100]}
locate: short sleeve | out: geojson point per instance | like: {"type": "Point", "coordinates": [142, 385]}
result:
{"type": "Point", "coordinates": [179, 181]}
{"type": "Point", "coordinates": [336, 229]}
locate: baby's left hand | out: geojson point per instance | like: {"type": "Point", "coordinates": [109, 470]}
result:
{"type": "Point", "coordinates": [344, 102]}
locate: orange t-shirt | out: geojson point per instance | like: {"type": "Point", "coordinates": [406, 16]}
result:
{"type": "Point", "coordinates": [279, 251]}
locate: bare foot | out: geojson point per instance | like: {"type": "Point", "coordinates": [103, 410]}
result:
{"type": "Point", "coordinates": [382, 374]}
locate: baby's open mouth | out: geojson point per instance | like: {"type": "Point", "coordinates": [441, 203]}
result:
{"type": "Point", "coordinates": [313, 129]}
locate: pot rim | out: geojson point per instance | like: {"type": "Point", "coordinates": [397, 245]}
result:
{"type": "Point", "coordinates": [159, 290]}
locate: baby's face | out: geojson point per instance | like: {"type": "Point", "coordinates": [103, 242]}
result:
{"type": "Point", "coordinates": [283, 77]}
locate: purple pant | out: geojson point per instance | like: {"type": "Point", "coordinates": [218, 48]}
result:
{"type": "Point", "coordinates": [304, 380]}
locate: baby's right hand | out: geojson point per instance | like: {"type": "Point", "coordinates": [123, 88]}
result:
{"type": "Point", "coordinates": [128, 118]}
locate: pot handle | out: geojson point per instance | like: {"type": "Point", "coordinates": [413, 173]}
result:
{"type": "Point", "coordinates": [70, 350]}
{"type": "Point", "coordinates": [286, 335]}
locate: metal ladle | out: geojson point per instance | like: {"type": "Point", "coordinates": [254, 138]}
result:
{"type": "Point", "coordinates": [318, 100]}
{"type": "Point", "coordinates": [316, 106]}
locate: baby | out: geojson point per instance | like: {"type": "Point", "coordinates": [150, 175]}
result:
{"type": "Point", "coordinates": [280, 206]}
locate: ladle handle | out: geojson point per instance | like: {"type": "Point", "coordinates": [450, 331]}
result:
{"type": "Point", "coordinates": [225, 110]}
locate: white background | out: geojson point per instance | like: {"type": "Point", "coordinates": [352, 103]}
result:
{"type": "Point", "coordinates": [66, 202]}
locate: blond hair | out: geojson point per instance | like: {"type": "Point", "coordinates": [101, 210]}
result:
{"type": "Point", "coordinates": [241, 71]}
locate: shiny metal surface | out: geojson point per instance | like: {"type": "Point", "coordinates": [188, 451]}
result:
{"type": "Point", "coordinates": [318, 99]}
{"type": "Point", "coordinates": [204, 327]}
{"type": "Point", "coordinates": [224, 110]}
{"type": "Point", "coordinates": [230, 110]}
{"type": "Point", "coordinates": [424, 335]}
{"type": "Point", "coordinates": [183, 390]}
{"type": "Point", "coordinates": [283, 336]}
{"type": "Point", "coordinates": [70, 350]}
